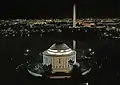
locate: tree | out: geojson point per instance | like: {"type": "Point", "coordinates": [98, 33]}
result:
{"type": "Point", "coordinates": [76, 74]}
{"type": "Point", "coordinates": [50, 68]}
{"type": "Point", "coordinates": [71, 62]}
{"type": "Point", "coordinates": [47, 70]}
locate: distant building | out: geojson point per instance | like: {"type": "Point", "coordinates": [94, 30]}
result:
{"type": "Point", "coordinates": [60, 56]}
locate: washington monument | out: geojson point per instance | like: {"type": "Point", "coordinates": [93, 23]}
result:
{"type": "Point", "coordinates": [74, 15]}
{"type": "Point", "coordinates": [74, 24]}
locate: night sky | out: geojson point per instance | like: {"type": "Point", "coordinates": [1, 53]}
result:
{"type": "Point", "coordinates": [58, 8]}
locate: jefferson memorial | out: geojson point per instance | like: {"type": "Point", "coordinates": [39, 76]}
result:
{"type": "Point", "coordinates": [59, 55]}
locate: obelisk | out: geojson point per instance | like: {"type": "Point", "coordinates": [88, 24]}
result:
{"type": "Point", "coordinates": [74, 44]}
{"type": "Point", "coordinates": [74, 24]}
{"type": "Point", "coordinates": [74, 15]}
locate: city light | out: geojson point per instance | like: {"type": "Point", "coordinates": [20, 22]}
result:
{"type": "Point", "coordinates": [90, 49]}
{"type": "Point", "coordinates": [25, 54]}
{"type": "Point", "coordinates": [11, 27]}
{"type": "Point", "coordinates": [59, 53]}
{"type": "Point", "coordinates": [93, 52]}
{"type": "Point", "coordinates": [84, 84]}
{"type": "Point", "coordinates": [11, 59]}
{"type": "Point", "coordinates": [27, 50]}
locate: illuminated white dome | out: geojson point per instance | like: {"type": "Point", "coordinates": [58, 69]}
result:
{"type": "Point", "coordinates": [59, 46]}
{"type": "Point", "coordinates": [58, 49]}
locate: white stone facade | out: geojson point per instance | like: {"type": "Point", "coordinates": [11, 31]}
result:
{"type": "Point", "coordinates": [57, 55]}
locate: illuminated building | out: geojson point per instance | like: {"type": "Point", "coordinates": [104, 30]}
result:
{"type": "Point", "coordinates": [59, 55]}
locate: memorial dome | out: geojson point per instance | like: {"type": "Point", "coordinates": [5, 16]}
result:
{"type": "Point", "coordinates": [59, 49]}
{"type": "Point", "coordinates": [59, 55]}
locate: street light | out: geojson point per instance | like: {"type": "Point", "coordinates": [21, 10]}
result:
{"type": "Point", "coordinates": [84, 84]}
{"type": "Point", "coordinates": [90, 49]}
{"type": "Point", "coordinates": [25, 54]}
{"type": "Point", "coordinates": [27, 50]}
{"type": "Point", "coordinates": [93, 52]}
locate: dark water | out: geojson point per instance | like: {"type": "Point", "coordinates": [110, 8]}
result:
{"type": "Point", "coordinates": [13, 47]}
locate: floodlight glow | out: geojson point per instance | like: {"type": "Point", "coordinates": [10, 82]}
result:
{"type": "Point", "coordinates": [84, 73]}
{"type": "Point", "coordinates": [93, 52]}
{"type": "Point", "coordinates": [68, 50]}
{"type": "Point", "coordinates": [90, 49]}
{"type": "Point", "coordinates": [84, 84]}
{"type": "Point", "coordinates": [59, 53]}
{"type": "Point", "coordinates": [59, 50]}
{"type": "Point", "coordinates": [62, 51]}
{"type": "Point", "coordinates": [52, 50]}
{"type": "Point", "coordinates": [27, 50]}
